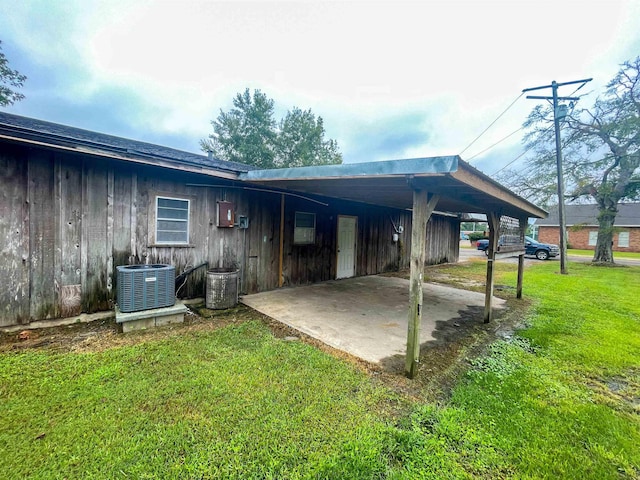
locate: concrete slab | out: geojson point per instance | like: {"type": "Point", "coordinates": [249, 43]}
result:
{"type": "Point", "coordinates": [156, 317]}
{"type": "Point", "coordinates": [367, 316]}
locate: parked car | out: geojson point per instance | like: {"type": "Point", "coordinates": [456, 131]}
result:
{"type": "Point", "coordinates": [542, 251]}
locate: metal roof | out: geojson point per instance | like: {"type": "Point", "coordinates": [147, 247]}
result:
{"type": "Point", "coordinates": [462, 188]}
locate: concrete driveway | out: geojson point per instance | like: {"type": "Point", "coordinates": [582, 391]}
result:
{"type": "Point", "coordinates": [367, 316]}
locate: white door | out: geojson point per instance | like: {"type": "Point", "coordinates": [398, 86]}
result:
{"type": "Point", "coordinates": [346, 247]}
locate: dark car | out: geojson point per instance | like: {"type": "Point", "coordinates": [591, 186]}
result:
{"type": "Point", "coordinates": [542, 251]}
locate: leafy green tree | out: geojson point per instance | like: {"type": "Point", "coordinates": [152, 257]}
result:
{"type": "Point", "coordinates": [301, 141]}
{"type": "Point", "coordinates": [9, 79]}
{"type": "Point", "coordinates": [601, 150]}
{"type": "Point", "coordinates": [249, 134]}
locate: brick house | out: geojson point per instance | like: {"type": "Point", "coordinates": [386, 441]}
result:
{"type": "Point", "coordinates": [582, 227]}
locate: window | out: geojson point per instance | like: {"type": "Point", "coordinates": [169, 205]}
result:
{"type": "Point", "coordinates": [593, 237]}
{"type": "Point", "coordinates": [172, 220]}
{"type": "Point", "coordinates": [623, 239]}
{"type": "Point", "coordinates": [304, 232]}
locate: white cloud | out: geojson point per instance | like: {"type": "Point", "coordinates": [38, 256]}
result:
{"type": "Point", "coordinates": [360, 65]}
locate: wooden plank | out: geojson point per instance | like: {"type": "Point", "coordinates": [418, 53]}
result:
{"type": "Point", "coordinates": [95, 294]}
{"type": "Point", "coordinates": [422, 209]}
{"type": "Point", "coordinates": [70, 236]}
{"type": "Point", "coordinates": [493, 219]}
{"type": "Point", "coordinates": [122, 220]}
{"type": "Point", "coordinates": [133, 255]}
{"type": "Point", "coordinates": [42, 234]}
{"type": "Point", "coordinates": [14, 231]}
{"type": "Point", "coordinates": [109, 234]}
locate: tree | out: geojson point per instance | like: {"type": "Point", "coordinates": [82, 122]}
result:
{"type": "Point", "coordinates": [301, 141]}
{"type": "Point", "coordinates": [249, 134]}
{"type": "Point", "coordinates": [601, 150]}
{"type": "Point", "coordinates": [9, 79]}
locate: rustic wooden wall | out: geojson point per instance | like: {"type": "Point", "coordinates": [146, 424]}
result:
{"type": "Point", "coordinates": [68, 220]}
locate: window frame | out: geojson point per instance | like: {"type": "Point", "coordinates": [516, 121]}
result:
{"type": "Point", "coordinates": [592, 241]}
{"type": "Point", "coordinates": [296, 228]}
{"type": "Point", "coordinates": [625, 235]}
{"type": "Point", "coordinates": [157, 220]}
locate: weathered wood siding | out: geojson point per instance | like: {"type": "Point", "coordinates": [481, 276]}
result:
{"type": "Point", "coordinates": [68, 220]}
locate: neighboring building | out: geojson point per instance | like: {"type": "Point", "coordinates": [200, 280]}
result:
{"type": "Point", "coordinates": [76, 204]}
{"type": "Point", "coordinates": [582, 227]}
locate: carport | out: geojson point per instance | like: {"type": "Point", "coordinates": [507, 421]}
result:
{"type": "Point", "coordinates": [423, 185]}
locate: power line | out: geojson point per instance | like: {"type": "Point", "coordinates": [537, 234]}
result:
{"type": "Point", "coordinates": [521, 155]}
{"type": "Point", "coordinates": [498, 142]}
{"type": "Point", "coordinates": [491, 125]}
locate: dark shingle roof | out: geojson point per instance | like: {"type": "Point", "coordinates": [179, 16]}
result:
{"type": "Point", "coordinates": [628, 215]}
{"type": "Point", "coordinates": [30, 128]}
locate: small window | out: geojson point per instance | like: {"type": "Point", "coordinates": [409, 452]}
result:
{"type": "Point", "coordinates": [623, 239]}
{"type": "Point", "coordinates": [593, 237]}
{"type": "Point", "coordinates": [172, 220]}
{"type": "Point", "coordinates": [305, 228]}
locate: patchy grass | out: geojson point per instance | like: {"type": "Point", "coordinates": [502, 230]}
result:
{"type": "Point", "coordinates": [561, 399]}
{"type": "Point", "coordinates": [589, 253]}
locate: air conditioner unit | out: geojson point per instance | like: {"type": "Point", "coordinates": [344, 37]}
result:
{"type": "Point", "coordinates": [142, 287]}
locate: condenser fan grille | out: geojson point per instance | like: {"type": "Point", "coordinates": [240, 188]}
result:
{"type": "Point", "coordinates": [142, 287]}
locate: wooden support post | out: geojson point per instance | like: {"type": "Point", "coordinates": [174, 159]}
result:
{"type": "Point", "coordinates": [281, 251]}
{"type": "Point", "coordinates": [520, 275]}
{"type": "Point", "coordinates": [494, 224]}
{"type": "Point", "coordinates": [422, 210]}
{"type": "Point", "coordinates": [523, 224]}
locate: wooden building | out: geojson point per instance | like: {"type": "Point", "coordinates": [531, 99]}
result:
{"type": "Point", "coordinates": [75, 204]}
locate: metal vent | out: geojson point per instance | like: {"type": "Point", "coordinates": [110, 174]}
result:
{"type": "Point", "coordinates": [142, 287]}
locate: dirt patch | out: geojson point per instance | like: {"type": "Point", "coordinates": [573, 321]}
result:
{"type": "Point", "coordinates": [620, 392]}
{"type": "Point", "coordinates": [101, 335]}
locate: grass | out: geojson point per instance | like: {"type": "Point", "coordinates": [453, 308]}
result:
{"type": "Point", "coordinates": [589, 253]}
{"type": "Point", "coordinates": [561, 399]}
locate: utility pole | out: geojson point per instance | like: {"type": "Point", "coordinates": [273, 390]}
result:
{"type": "Point", "coordinates": [558, 114]}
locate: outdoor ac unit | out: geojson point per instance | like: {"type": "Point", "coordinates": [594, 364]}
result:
{"type": "Point", "coordinates": [142, 287]}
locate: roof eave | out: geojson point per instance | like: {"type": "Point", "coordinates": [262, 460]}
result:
{"type": "Point", "coordinates": [129, 157]}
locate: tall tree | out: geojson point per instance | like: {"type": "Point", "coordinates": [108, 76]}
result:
{"type": "Point", "coordinates": [249, 134]}
{"type": "Point", "coordinates": [601, 150]}
{"type": "Point", "coordinates": [9, 80]}
{"type": "Point", "coordinates": [301, 141]}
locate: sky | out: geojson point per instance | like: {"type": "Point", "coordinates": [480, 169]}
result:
{"type": "Point", "coordinates": [391, 80]}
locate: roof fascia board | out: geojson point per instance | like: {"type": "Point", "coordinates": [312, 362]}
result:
{"type": "Point", "coordinates": [388, 168]}
{"type": "Point", "coordinates": [474, 178]}
{"type": "Point", "coordinates": [150, 160]}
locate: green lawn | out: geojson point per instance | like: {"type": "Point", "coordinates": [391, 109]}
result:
{"type": "Point", "coordinates": [559, 400]}
{"type": "Point", "coordinates": [589, 253]}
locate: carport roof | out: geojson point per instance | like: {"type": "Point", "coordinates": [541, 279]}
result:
{"type": "Point", "coordinates": [462, 188]}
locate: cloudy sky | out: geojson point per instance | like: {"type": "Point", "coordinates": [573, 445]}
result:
{"type": "Point", "coordinates": [391, 79]}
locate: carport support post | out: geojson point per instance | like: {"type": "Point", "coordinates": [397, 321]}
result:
{"type": "Point", "coordinates": [281, 245]}
{"type": "Point", "coordinates": [422, 209]}
{"type": "Point", "coordinates": [494, 224]}
{"type": "Point", "coordinates": [523, 223]}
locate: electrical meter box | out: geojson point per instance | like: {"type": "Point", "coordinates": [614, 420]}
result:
{"type": "Point", "coordinates": [226, 215]}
